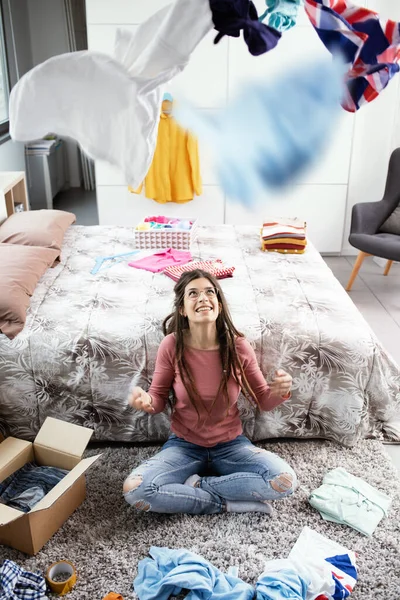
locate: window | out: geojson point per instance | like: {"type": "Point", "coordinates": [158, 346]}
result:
{"type": "Point", "coordinates": [4, 81]}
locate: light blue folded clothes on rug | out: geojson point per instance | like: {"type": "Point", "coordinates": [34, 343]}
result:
{"type": "Point", "coordinates": [272, 130]}
{"type": "Point", "coordinates": [349, 500]}
{"type": "Point", "coordinates": [168, 572]}
{"type": "Point", "coordinates": [281, 14]}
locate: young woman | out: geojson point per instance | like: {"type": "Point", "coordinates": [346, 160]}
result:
{"type": "Point", "coordinates": [207, 465]}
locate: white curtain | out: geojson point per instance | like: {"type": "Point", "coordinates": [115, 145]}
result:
{"type": "Point", "coordinates": [77, 40]}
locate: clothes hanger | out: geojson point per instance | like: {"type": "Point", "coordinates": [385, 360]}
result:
{"type": "Point", "coordinates": [114, 259]}
{"type": "Point", "coordinates": [168, 100]}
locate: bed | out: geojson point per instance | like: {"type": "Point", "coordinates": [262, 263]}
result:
{"type": "Point", "coordinates": [87, 336]}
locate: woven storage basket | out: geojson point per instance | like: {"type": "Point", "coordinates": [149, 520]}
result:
{"type": "Point", "coordinates": [167, 238]}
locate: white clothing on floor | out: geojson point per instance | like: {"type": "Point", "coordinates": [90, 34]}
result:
{"type": "Point", "coordinates": [309, 556]}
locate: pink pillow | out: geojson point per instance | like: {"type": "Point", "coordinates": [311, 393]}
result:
{"type": "Point", "coordinates": [21, 267]}
{"type": "Point", "coordinates": [44, 228]}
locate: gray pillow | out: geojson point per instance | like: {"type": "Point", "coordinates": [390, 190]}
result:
{"type": "Point", "coordinates": [392, 223]}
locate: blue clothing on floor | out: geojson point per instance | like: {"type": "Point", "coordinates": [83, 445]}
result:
{"type": "Point", "coordinates": [27, 486]}
{"type": "Point", "coordinates": [272, 130]}
{"type": "Point", "coordinates": [169, 572]}
{"type": "Point", "coordinates": [279, 581]}
{"type": "Point", "coordinates": [231, 16]}
{"type": "Point", "coordinates": [15, 583]}
{"type": "Point", "coordinates": [281, 14]}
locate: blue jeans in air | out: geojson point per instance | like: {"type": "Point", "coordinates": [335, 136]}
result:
{"type": "Point", "coordinates": [235, 470]}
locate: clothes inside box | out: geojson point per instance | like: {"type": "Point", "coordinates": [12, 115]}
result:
{"type": "Point", "coordinates": [27, 486]}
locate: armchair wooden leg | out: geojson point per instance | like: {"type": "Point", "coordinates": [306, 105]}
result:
{"type": "Point", "coordinates": [387, 268]}
{"type": "Point", "coordinates": [356, 268]}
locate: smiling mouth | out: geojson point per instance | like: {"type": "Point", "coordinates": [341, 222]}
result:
{"type": "Point", "coordinates": [204, 309]}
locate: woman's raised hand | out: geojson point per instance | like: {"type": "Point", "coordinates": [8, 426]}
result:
{"type": "Point", "coordinates": [140, 400]}
{"type": "Point", "coordinates": [281, 384]}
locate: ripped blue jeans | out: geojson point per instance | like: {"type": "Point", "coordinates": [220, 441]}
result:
{"type": "Point", "coordinates": [235, 470]}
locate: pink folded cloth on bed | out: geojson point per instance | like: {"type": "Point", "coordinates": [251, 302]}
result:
{"type": "Point", "coordinates": [161, 260]}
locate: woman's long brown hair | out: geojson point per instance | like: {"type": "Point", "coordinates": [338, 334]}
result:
{"type": "Point", "coordinates": [226, 332]}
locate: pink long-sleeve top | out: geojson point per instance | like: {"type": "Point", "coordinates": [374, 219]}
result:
{"type": "Point", "coordinates": [215, 425]}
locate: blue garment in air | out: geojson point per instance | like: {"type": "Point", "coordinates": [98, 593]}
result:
{"type": "Point", "coordinates": [272, 130]}
{"type": "Point", "coordinates": [27, 486]}
{"type": "Point", "coordinates": [169, 572]}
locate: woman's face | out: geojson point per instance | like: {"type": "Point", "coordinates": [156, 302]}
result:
{"type": "Point", "coordinates": [200, 303]}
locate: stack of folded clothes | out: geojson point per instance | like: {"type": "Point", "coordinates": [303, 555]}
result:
{"type": "Point", "coordinates": [287, 236]}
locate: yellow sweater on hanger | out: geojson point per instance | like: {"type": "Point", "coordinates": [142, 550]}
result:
{"type": "Point", "coordinates": [174, 175]}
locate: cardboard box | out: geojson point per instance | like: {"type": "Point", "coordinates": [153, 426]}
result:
{"type": "Point", "coordinates": [58, 444]}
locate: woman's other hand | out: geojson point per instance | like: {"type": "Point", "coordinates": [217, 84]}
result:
{"type": "Point", "coordinates": [140, 400]}
{"type": "Point", "coordinates": [281, 384]}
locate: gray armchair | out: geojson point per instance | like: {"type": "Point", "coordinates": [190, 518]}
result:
{"type": "Point", "coordinates": [368, 218]}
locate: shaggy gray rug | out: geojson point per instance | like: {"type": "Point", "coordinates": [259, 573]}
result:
{"type": "Point", "coordinates": [105, 538]}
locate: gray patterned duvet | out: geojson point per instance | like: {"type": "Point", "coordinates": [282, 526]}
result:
{"type": "Point", "coordinates": [87, 336]}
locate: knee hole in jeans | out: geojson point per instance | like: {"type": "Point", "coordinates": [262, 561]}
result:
{"type": "Point", "coordinates": [132, 483]}
{"type": "Point", "coordinates": [142, 505]}
{"type": "Point", "coordinates": [283, 483]}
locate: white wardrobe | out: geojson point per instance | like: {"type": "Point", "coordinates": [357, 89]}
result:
{"type": "Point", "coordinates": [353, 169]}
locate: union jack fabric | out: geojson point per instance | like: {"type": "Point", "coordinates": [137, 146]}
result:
{"type": "Point", "coordinates": [369, 44]}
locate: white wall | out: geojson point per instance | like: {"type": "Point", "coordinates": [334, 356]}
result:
{"type": "Point", "coordinates": [48, 31]}
{"type": "Point", "coordinates": [353, 168]}
{"type": "Point", "coordinates": [12, 156]}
